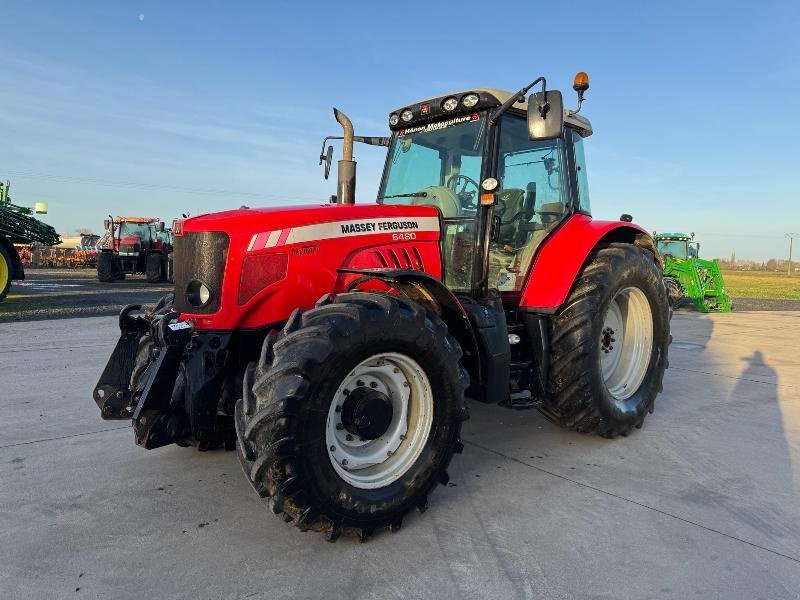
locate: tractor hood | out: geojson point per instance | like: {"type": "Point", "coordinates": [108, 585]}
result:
{"type": "Point", "coordinates": [256, 220]}
{"type": "Point", "coordinates": [250, 267]}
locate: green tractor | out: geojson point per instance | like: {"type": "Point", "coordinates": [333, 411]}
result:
{"type": "Point", "coordinates": [688, 277]}
{"type": "Point", "coordinates": [18, 226]}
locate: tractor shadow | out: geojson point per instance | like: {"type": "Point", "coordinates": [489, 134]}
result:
{"type": "Point", "coordinates": [717, 448]}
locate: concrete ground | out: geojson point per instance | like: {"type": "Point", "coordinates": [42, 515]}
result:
{"type": "Point", "coordinates": [704, 502]}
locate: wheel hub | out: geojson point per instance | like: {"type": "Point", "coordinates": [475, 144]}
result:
{"type": "Point", "coordinates": [607, 340]}
{"type": "Point", "coordinates": [379, 420]}
{"type": "Point", "coordinates": [367, 413]}
{"type": "Point", "coordinates": [626, 342]}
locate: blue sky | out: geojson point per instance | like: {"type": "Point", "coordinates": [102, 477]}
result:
{"type": "Point", "coordinates": [159, 108]}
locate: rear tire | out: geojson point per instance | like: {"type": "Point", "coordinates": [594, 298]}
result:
{"type": "Point", "coordinates": [674, 292]}
{"type": "Point", "coordinates": [6, 269]}
{"type": "Point", "coordinates": [299, 391]}
{"type": "Point", "coordinates": [154, 268]}
{"type": "Point", "coordinates": [105, 267]}
{"type": "Point", "coordinates": [608, 349]}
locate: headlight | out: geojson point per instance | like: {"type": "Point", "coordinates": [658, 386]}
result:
{"type": "Point", "coordinates": [406, 115]}
{"type": "Point", "coordinates": [450, 104]}
{"type": "Point", "coordinates": [393, 120]}
{"type": "Point", "coordinates": [470, 100]}
{"type": "Point", "coordinates": [197, 293]}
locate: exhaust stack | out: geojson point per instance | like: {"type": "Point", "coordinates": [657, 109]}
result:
{"type": "Point", "coordinates": [346, 177]}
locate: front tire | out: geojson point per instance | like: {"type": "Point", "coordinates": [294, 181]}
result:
{"type": "Point", "coordinates": [353, 414]}
{"type": "Point", "coordinates": [154, 268]}
{"type": "Point", "coordinates": [105, 267]}
{"type": "Point", "coordinates": [675, 293]}
{"type": "Point", "coordinates": [609, 342]}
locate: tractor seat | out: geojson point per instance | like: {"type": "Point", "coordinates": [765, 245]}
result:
{"type": "Point", "coordinates": [551, 213]}
{"type": "Point", "coordinates": [510, 204]}
{"type": "Point", "coordinates": [442, 198]}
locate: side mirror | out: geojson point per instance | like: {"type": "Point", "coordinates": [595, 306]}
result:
{"type": "Point", "coordinates": [161, 227]}
{"type": "Point", "coordinates": [545, 115]}
{"type": "Point", "coordinates": [327, 158]}
{"type": "Point", "coordinates": [107, 224]}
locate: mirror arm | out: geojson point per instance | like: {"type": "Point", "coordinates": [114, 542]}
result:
{"type": "Point", "coordinates": [325, 141]}
{"type": "Point", "coordinates": [520, 95]}
{"type": "Point", "coordinates": [369, 140]}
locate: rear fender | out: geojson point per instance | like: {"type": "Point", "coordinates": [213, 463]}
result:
{"type": "Point", "coordinates": [563, 254]}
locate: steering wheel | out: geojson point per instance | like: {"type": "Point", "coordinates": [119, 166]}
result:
{"type": "Point", "coordinates": [467, 199]}
{"type": "Point", "coordinates": [454, 180]}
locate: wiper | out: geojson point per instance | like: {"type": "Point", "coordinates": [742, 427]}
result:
{"type": "Point", "coordinates": [411, 195]}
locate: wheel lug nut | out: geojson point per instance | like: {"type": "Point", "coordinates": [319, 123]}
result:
{"type": "Point", "coordinates": [338, 408]}
{"type": "Point", "coordinates": [373, 385]}
{"type": "Point", "coordinates": [395, 370]}
{"type": "Point", "coordinates": [333, 448]}
{"type": "Point", "coordinates": [345, 391]}
{"type": "Point", "coordinates": [405, 384]}
{"type": "Point", "coordinates": [389, 453]}
{"type": "Point", "coordinates": [339, 427]}
{"type": "Point", "coordinates": [348, 437]}
{"type": "Point", "coordinates": [344, 462]}
{"type": "Point", "coordinates": [360, 383]}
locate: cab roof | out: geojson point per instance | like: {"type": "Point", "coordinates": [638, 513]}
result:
{"type": "Point", "coordinates": [135, 220]}
{"type": "Point", "coordinates": [672, 236]}
{"type": "Point", "coordinates": [578, 122]}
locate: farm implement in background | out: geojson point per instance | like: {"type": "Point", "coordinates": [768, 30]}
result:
{"type": "Point", "coordinates": [690, 278]}
{"type": "Point", "coordinates": [18, 226]}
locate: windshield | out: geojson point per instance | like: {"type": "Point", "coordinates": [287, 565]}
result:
{"type": "Point", "coordinates": [437, 164]}
{"type": "Point", "coordinates": [676, 248]}
{"type": "Point", "coordinates": [141, 229]}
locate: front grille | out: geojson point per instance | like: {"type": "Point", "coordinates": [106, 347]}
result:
{"type": "Point", "coordinates": [199, 255]}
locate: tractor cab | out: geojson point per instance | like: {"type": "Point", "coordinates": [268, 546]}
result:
{"type": "Point", "coordinates": [677, 245]}
{"type": "Point", "coordinates": [499, 188]}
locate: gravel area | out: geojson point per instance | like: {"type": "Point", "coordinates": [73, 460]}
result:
{"type": "Point", "coordinates": [62, 293]}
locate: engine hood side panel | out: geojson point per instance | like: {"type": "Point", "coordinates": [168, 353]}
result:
{"type": "Point", "coordinates": [317, 240]}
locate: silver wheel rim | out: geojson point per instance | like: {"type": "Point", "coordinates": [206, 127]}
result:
{"type": "Point", "coordinates": [626, 343]}
{"type": "Point", "coordinates": [376, 463]}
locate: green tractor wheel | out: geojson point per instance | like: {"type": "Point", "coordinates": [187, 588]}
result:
{"type": "Point", "coordinates": [5, 272]}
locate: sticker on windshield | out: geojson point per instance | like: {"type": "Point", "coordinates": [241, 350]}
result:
{"type": "Point", "coordinates": [439, 125]}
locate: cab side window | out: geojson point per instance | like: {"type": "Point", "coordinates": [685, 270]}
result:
{"type": "Point", "coordinates": [580, 168]}
{"type": "Point", "coordinates": [531, 201]}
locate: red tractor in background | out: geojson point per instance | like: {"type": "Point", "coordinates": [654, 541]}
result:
{"type": "Point", "coordinates": [135, 245]}
{"type": "Point", "coordinates": [335, 345]}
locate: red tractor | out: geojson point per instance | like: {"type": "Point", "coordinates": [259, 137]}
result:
{"type": "Point", "coordinates": [334, 345]}
{"type": "Point", "coordinates": [135, 245]}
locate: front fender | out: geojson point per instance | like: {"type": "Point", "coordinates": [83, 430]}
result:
{"type": "Point", "coordinates": [436, 297]}
{"type": "Point", "coordinates": [563, 254]}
